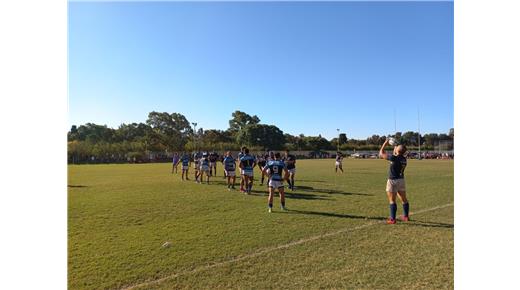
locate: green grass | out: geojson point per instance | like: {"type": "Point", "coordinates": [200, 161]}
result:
{"type": "Point", "coordinates": [120, 215]}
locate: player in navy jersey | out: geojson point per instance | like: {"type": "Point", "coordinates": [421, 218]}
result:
{"type": "Point", "coordinates": [339, 161]}
{"type": "Point", "coordinates": [185, 159]}
{"type": "Point", "coordinates": [290, 163]}
{"type": "Point", "coordinates": [204, 167]}
{"type": "Point", "coordinates": [395, 185]}
{"type": "Point", "coordinates": [262, 161]}
{"type": "Point", "coordinates": [247, 163]}
{"type": "Point", "coordinates": [277, 172]}
{"type": "Point", "coordinates": [229, 169]}
{"type": "Point", "coordinates": [240, 155]}
{"type": "Point", "coordinates": [213, 157]}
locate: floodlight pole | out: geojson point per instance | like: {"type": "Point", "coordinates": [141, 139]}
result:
{"type": "Point", "coordinates": [419, 132]}
{"type": "Point", "coordinates": [338, 139]}
{"type": "Point", "coordinates": [194, 139]}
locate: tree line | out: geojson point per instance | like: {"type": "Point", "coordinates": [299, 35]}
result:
{"type": "Point", "coordinates": [163, 133]}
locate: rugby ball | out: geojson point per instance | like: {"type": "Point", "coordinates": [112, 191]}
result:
{"type": "Point", "coordinates": [392, 141]}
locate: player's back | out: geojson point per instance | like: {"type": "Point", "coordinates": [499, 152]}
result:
{"type": "Point", "coordinates": [247, 162]}
{"type": "Point", "coordinates": [276, 168]}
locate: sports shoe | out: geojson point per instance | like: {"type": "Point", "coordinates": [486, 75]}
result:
{"type": "Point", "coordinates": [270, 210]}
{"type": "Point", "coordinates": [405, 218]}
{"type": "Point", "coordinates": [390, 221]}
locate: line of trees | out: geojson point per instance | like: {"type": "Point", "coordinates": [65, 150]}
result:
{"type": "Point", "coordinates": [163, 133]}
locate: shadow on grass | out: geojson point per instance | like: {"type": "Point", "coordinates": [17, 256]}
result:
{"type": "Point", "coordinates": [335, 215]}
{"type": "Point", "coordinates": [290, 195]}
{"type": "Point", "coordinates": [77, 186]}
{"type": "Point", "coordinates": [329, 191]}
{"type": "Point", "coordinates": [427, 224]}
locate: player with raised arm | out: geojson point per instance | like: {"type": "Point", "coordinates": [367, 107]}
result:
{"type": "Point", "coordinates": [339, 161]}
{"type": "Point", "coordinates": [277, 172]}
{"type": "Point", "coordinates": [185, 159]}
{"type": "Point", "coordinates": [247, 163]}
{"type": "Point", "coordinates": [395, 185]}
{"type": "Point", "coordinates": [229, 169]}
{"type": "Point", "coordinates": [290, 163]}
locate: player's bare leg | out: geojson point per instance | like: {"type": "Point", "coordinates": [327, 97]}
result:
{"type": "Point", "coordinates": [270, 199]}
{"type": "Point", "coordinates": [282, 197]}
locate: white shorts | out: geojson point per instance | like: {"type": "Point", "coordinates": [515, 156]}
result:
{"type": "Point", "coordinates": [230, 173]}
{"type": "Point", "coordinates": [338, 163]}
{"type": "Point", "coordinates": [395, 185]}
{"type": "Point", "coordinates": [275, 183]}
{"type": "Point", "coordinates": [185, 167]}
{"type": "Point", "coordinates": [204, 168]}
{"type": "Point", "coordinates": [212, 164]}
{"type": "Point", "coordinates": [292, 171]}
{"type": "Point", "coordinates": [247, 173]}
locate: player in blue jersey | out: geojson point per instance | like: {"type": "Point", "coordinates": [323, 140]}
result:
{"type": "Point", "coordinates": [395, 185]}
{"type": "Point", "coordinates": [185, 159]}
{"type": "Point", "coordinates": [277, 172]}
{"type": "Point", "coordinates": [242, 178]}
{"type": "Point", "coordinates": [290, 163]}
{"type": "Point", "coordinates": [247, 163]}
{"type": "Point", "coordinates": [204, 167]}
{"type": "Point", "coordinates": [229, 169]}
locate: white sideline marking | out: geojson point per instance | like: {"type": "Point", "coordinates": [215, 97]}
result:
{"type": "Point", "coordinates": [272, 249]}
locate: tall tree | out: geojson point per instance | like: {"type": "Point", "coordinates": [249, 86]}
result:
{"type": "Point", "coordinates": [240, 119]}
{"type": "Point", "coordinates": [267, 136]}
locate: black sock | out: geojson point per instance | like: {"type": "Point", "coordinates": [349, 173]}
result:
{"type": "Point", "coordinates": [270, 205]}
{"type": "Point", "coordinates": [393, 210]}
{"type": "Point", "coordinates": [406, 209]}
{"type": "Point", "coordinates": [283, 203]}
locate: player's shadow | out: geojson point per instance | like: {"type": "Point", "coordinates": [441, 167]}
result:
{"type": "Point", "coordinates": [77, 186]}
{"type": "Point", "coordinates": [336, 215]}
{"type": "Point", "coordinates": [329, 191]}
{"type": "Point", "coordinates": [291, 195]}
{"type": "Point", "coordinates": [304, 180]}
{"type": "Point", "coordinates": [427, 224]}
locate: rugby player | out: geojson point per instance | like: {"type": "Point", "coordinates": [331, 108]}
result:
{"type": "Point", "coordinates": [175, 162]}
{"type": "Point", "coordinates": [339, 162]}
{"type": "Point", "coordinates": [275, 168]}
{"type": "Point", "coordinates": [204, 167]}
{"type": "Point", "coordinates": [196, 166]}
{"type": "Point", "coordinates": [229, 169]}
{"type": "Point", "coordinates": [185, 159]}
{"type": "Point", "coordinates": [262, 161]}
{"type": "Point", "coordinates": [290, 163]}
{"type": "Point", "coordinates": [213, 157]}
{"type": "Point", "coordinates": [247, 163]}
{"type": "Point", "coordinates": [395, 185]}
{"type": "Point", "coordinates": [240, 155]}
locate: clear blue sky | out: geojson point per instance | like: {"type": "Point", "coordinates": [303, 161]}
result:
{"type": "Point", "coordinates": [305, 67]}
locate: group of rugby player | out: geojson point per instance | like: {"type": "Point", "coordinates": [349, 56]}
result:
{"type": "Point", "coordinates": [271, 164]}
{"type": "Point", "coordinates": [278, 169]}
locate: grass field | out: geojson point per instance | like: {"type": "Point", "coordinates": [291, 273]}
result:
{"type": "Point", "coordinates": [333, 235]}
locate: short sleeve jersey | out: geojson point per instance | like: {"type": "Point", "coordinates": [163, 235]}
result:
{"type": "Point", "coordinates": [247, 162]}
{"type": "Point", "coordinates": [397, 166]}
{"type": "Point", "coordinates": [204, 161]}
{"type": "Point", "coordinates": [229, 163]}
{"type": "Point", "coordinates": [289, 161]}
{"type": "Point", "coordinates": [275, 169]}
{"type": "Point", "coordinates": [185, 160]}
